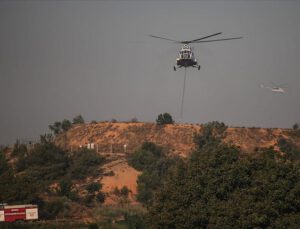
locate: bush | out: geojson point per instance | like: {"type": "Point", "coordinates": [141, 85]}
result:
{"type": "Point", "coordinates": [292, 152]}
{"type": "Point", "coordinates": [93, 187]}
{"type": "Point", "coordinates": [51, 209]}
{"type": "Point", "coordinates": [88, 199]}
{"type": "Point", "coordinates": [296, 126]}
{"type": "Point", "coordinates": [116, 191]}
{"type": "Point", "coordinates": [56, 128]}
{"type": "Point", "coordinates": [85, 162]}
{"type": "Point", "coordinates": [124, 191]}
{"type": "Point", "coordinates": [134, 120]}
{"type": "Point", "coordinates": [65, 187]}
{"type": "Point", "coordinates": [145, 156]}
{"type": "Point", "coordinates": [66, 125]}
{"type": "Point", "coordinates": [60, 127]}
{"type": "Point", "coordinates": [152, 161]}
{"type": "Point", "coordinates": [78, 120]}
{"type": "Point", "coordinates": [100, 197]}
{"type": "Point", "coordinates": [46, 162]}
{"type": "Point", "coordinates": [93, 226]}
{"type": "Point", "coordinates": [19, 150]}
{"type": "Point", "coordinates": [163, 119]}
{"type": "Point", "coordinates": [211, 134]}
{"type": "Point", "coordinates": [134, 221]}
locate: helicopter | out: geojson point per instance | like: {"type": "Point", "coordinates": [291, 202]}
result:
{"type": "Point", "coordinates": [275, 88]}
{"type": "Point", "coordinates": [186, 57]}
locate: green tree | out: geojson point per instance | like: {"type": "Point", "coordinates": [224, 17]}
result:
{"type": "Point", "coordinates": [46, 161]}
{"type": "Point", "coordinates": [163, 119]}
{"type": "Point", "coordinates": [147, 154]}
{"type": "Point", "coordinates": [85, 162]}
{"type": "Point", "coordinates": [296, 126]}
{"type": "Point", "coordinates": [212, 133]}
{"type": "Point", "coordinates": [124, 191]}
{"type": "Point", "coordinates": [19, 149]}
{"type": "Point", "coordinates": [78, 119]}
{"type": "Point", "coordinates": [151, 160]}
{"type": "Point", "coordinates": [100, 197]}
{"type": "Point", "coordinates": [93, 187]}
{"type": "Point", "coordinates": [65, 187]}
{"type": "Point", "coordinates": [220, 187]}
{"type": "Point", "coordinates": [56, 128]}
{"type": "Point", "coordinates": [66, 125]}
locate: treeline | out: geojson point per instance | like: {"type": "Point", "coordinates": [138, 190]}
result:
{"type": "Point", "coordinates": [219, 186]}
{"type": "Point", "coordinates": [29, 178]}
{"type": "Point", "coordinates": [63, 126]}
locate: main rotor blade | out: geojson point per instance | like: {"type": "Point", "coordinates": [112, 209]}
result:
{"type": "Point", "coordinates": [163, 38]}
{"type": "Point", "coordinates": [192, 41]}
{"type": "Point", "coordinates": [224, 39]}
{"type": "Point", "coordinates": [279, 85]}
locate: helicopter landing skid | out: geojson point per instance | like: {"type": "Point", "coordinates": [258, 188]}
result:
{"type": "Point", "coordinates": [194, 66]}
{"type": "Point", "coordinates": [177, 67]}
{"type": "Point", "coordinates": [197, 66]}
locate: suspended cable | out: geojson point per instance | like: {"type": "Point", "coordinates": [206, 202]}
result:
{"type": "Point", "coordinates": [182, 99]}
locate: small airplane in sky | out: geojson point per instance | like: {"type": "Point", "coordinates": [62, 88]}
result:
{"type": "Point", "coordinates": [186, 56]}
{"type": "Point", "coordinates": [275, 88]}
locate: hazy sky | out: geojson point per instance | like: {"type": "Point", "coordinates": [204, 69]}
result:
{"type": "Point", "coordinates": [94, 58]}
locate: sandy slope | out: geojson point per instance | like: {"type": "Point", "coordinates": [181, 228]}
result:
{"type": "Point", "coordinates": [109, 140]}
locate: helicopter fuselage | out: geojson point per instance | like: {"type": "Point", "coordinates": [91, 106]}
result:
{"type": "Point", "coordinates": [277, 89]}
{"type": "Point", "coordinates": [186, 58]}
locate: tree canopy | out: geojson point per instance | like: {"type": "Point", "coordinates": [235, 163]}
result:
{"type": "Point", "coordinates": [221, 187]}
{"type": "Point", "coordinates": [163, 119]}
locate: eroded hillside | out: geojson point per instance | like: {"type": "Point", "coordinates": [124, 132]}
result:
{"type": "Point", "coordinates": [120, 138]}
{"type": "Point", "coordinates": [127, 137]}
{"type": "Point", "coordinates": [115, 140]}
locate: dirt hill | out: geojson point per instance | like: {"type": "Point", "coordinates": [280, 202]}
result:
{"type": "Point", "coordinates": [115, 140]}
{"type": "Point", "coordinates": [126, 137]}
{"type": "Point", "coordinates": [120, 138]}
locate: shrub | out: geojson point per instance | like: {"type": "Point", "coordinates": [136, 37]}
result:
{"type": "Point", "coordinates": [46, 162]}
{"type": "Point", "coordinates": [19, 150]}
{"type": "Point", "coordinates": [116, 191]}
{"type": "Point", "coordinates": [100, 197]}
{"type": "Point", "coordinates": [85, 162]}
{"type": "Point", "coordinates": [55, 128]}
{"type": "Point", "coordinates": [78, 120]}
{"type": "Point", "coordinates": [51, 209]}
{"type": "Point", "coordinates": [66, 125]}
{"type": "Point", "coordinates": [93, 187]}
{"type": "Point", "coordinates": [163, 119]}
{"type": "Point", "coordinates": [88, 199]}
{"type": "Point", "coordinates": [145, 156]}
{"type": "Point", "coordinates": [296, 126]}
{"type": "Point", "coordinates": [134, 120]}
{"type": "Point", "coordinates": [65, 187]}
{"type": "Point", "coordinates": [124, 191]}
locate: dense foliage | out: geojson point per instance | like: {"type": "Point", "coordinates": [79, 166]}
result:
{"type": "Point", "coordinates": [15, 189]}
{"type": "Point", "coordinates": [59, 127]}
{"type": "Point", "coordinates": [45, 162]}
{"type": "Point", "coordinates": [292, 152]}
{"type": "Point", "coordinates": [150, 159]}
{"type": "Point", "coordinates": [78, 120]}
{"type": "Point", "coordinates": [42, 165]}
{"type": "Point", "coordinates": [85, 162]}
{"type": "Point", "coordinates": [163, 119]}
{"type": "Point", "coordinates": [145, 156]}
{"type": "Point", "coordinates": [219, 187]}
